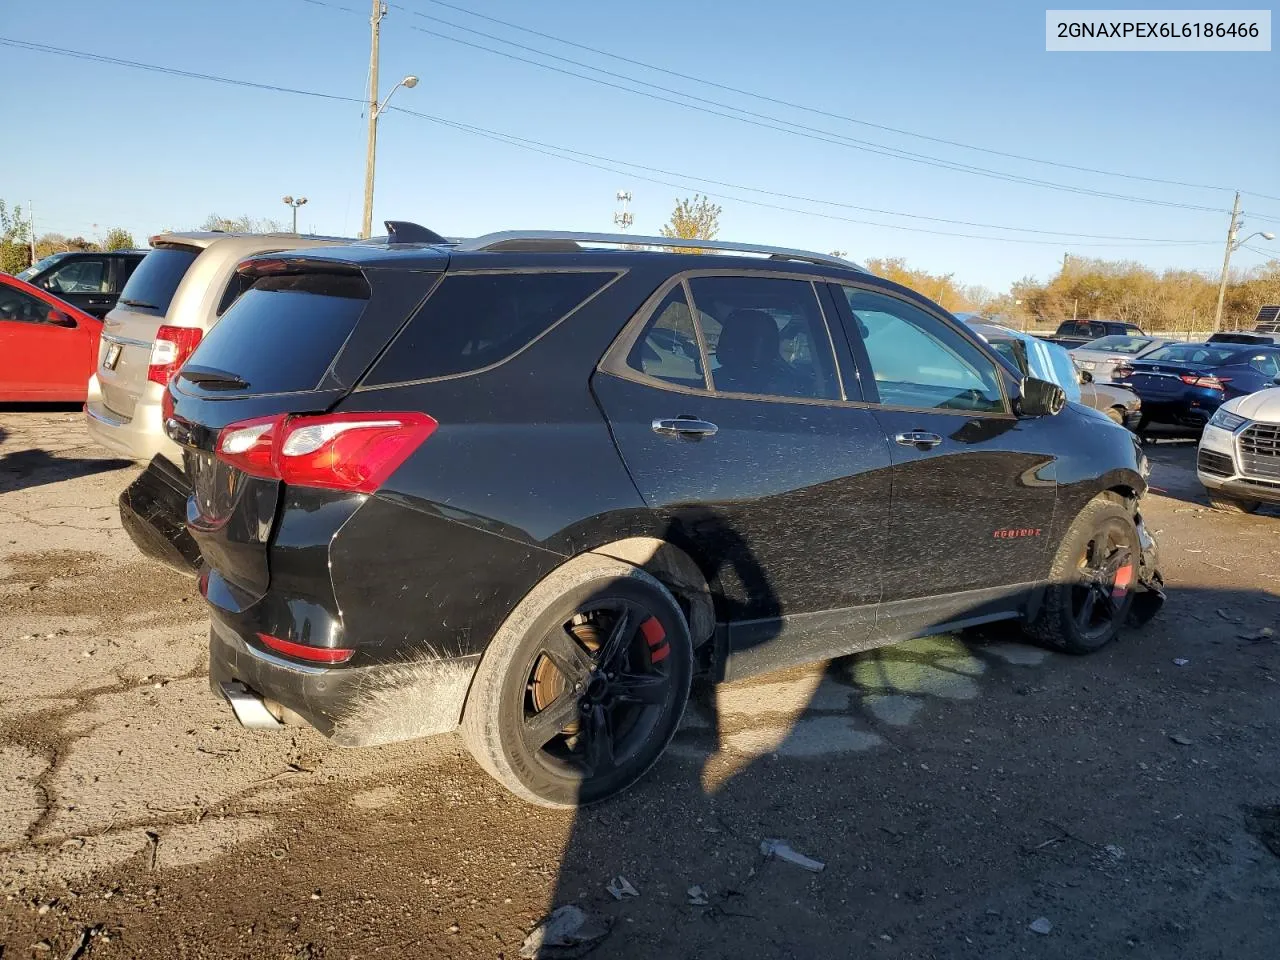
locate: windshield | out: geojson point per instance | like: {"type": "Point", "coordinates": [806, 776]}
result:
{"type": "Point", "coordinates": [1189, 353]}
{"type": "Point", "coordinates": [1120, 344]}
{"type": "Point", "coordinates": [40, 266]}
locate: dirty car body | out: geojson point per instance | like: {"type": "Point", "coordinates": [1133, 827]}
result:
{"type": "Point", "coordinates": [394, 447]}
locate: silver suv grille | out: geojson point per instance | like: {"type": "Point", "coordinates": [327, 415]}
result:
{"type": "Point", "coordinates": [1260, 451]}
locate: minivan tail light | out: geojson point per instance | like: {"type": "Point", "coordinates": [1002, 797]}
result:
{"type": "Point", "coordinates": [355, 452]}
{"type": "Point", "coordinates": [170, 350]}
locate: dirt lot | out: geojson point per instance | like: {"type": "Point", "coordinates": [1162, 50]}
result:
{"type": "Point", "coordinates": [960, 790]}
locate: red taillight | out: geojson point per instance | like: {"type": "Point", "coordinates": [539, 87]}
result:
{"type": "Point", "coordinates": [1209, 383]}
{"type": "Point", "coordinates": [170, 350]}
{"type": "Point", "coordinates": [304, 651]}
{"type": "Point", "coordinates": [338, 451]}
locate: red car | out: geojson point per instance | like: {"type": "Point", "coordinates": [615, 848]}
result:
{"type": "Point", "coordinates": [48, 348]}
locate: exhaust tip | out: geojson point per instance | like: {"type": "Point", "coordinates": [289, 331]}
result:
{"type": "Point", "coordinates": [249, 707]}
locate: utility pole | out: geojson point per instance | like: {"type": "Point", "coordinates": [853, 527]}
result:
{"type": "Point", "coordinates": [379, 11]}
{"type": "Point", "coordinates": [1226, 261]}
{"type": "Point", "coordinates": [31, 221]}
{"type": "Point", "coordinates": [1066, 259]}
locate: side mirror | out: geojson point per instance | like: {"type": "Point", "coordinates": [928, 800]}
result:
{"type": "Point", "coordinates": [1086, 376]}
{"type": "Point", "coordinates": [59, 319]}
{"type": "Point", "coordinates": [1040, 398]}
{"type": "Point", "coordinates": [1276, 381]}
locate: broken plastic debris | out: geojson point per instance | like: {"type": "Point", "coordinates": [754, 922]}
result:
{"type": "Point", "coordinates": [1180, 661]}
{"type": "Point", "coordinates": [620, 888]}
{"type": "Point", "coordinates": [697, 896]}
{"type": "Point", "coordinates": [782, 850]}
{"type": "Point", "coordinates": [565, 928]}
{"type": "Point", "coordinates": [1040, 925]}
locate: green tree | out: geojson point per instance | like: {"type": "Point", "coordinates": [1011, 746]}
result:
{"type": "Point", "coordinates": [118, 238]}
{"type": "Point", "coordinates": [244, 224]}
{"type": "Point", "coordinates": [15, 240]}
{"type": "Point", "coordinates": [696, 219]}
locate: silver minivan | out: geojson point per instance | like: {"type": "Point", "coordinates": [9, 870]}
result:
{"type": "Point", "coordinates": [171, 301]}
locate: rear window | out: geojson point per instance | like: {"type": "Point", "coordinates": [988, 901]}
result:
{"type": "Point", "coordinates": [1190, 353]}
{"type": "Point", "coordinates": [1117, 343]}
{"type": "Point", "coordinates": [152, 285]}
{"type": "Point", "coordinates": [282, 334]}
{"type": "Point", "coordinates": [475, 320]}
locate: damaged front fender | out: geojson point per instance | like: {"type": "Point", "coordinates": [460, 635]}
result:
{"type": "Point", "coordinates": [1149, 589]}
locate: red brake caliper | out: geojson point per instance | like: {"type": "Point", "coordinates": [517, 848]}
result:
{"type": "Point", "coordinates": [656, 638]}
{"type": "Point", "coordinates": [1124, 576]}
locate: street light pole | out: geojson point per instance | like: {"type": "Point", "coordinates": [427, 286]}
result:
{"type": "Point", "coordinates": [379, 11]}
{"type": "Point", "coordinates": [375, 111]}
{"type": "Point", "coordinates": [1234, 243]}
{"type": "Point", "coordinates": [1226, 261]}
{"type": "Point", "coordinates": [295, 204]}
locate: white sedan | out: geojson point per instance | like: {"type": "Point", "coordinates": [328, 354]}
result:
{"type": "Point", "coordinates": [1239, 456]}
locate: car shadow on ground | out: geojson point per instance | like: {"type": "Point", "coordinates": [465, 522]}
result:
{"type": "Point", "coordinates": [953, 788]}
{"type": "Point", "coordinates": [34, 467]}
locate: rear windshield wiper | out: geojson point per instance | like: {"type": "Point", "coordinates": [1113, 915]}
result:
{"type": "Point", "coordinates": [138, 303]}
{"type": "Point", "coordinates": [212, 379]}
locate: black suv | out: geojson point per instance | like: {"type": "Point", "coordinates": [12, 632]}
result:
{"type": "Point", "coordinates": [533, 487]}
{"type": "Point", "coordinates": [90, 280]}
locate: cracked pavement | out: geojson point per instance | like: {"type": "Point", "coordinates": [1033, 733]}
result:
{"type": "Point", "coordinates": [957, 788]}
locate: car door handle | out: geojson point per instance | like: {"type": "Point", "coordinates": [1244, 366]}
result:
{"type": "Point", "coordinates": [688, 428]}
{"type": "Point", "coordinates": [920, 439]}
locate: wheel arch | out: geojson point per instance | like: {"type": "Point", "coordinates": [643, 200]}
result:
{"type": "Point", "coordinates": [674, 569]}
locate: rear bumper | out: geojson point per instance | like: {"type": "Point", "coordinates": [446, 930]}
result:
{"type": "Point", "coordinates": [153, 511]}
{"type": "Point", "coordinates": [354, 706]}
{"type": "Point", "coordinates": [1184, 412]}
{"type": "Point", "coordinates": [139, 437]}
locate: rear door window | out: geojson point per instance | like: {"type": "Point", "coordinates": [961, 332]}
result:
{"type": "Point", "coordinates": [81, 275]}
{"type": "Point", "coordinates": [475, 320]}
{"type": "Point", "coordinates": [765, 336]}
{"type": "Point", "coordinates": [283, 334]}
{"type": "Point", "coordinates": [151, 287]}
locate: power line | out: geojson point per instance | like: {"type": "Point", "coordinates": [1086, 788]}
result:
{"type": "Point", "coordinates": [567, 154]}
{"type": "Point", "coordinates": [815, 200]}
{"type": "Point", "coordinates": [574, 157]}
{"type": "Point", "coordinates": [765, 121]}
{"type": "Point", "coordinates": [791, 104]}
{"type": "Point", "coordinates": [1269, 254]}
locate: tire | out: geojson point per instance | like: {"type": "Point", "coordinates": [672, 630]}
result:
{"type": "Point", "coordinates": [1231, 505]}
{"type": "Point", "coordinates": [572, 768]}
{"type": "Point", "coordinates": [1102, 538]}
{"type": "Point", "coordinates": [1116, 414]}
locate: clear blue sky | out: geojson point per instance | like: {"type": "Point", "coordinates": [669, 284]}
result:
{"type": "Point", "coordinates": [94, 145]}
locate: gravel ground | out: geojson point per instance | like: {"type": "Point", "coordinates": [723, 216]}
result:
{"type": "Point", "coordinates": [965, 793]}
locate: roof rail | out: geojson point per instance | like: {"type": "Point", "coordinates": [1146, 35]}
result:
{"type": "Point", "coordinates": [558, 240]}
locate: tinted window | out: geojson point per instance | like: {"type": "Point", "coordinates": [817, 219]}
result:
{"type": "Point", "coordinates": [1189, 353]}
{"type": "Point", "coordinates": [22, 306]}
{"type": "Point", "coordinates": [1119, 344]}
{"type": "Point", "coordinates": [42, 265]}
{"type": "Point", "coordinates": [81, 275]}
{"type": "Point", "coordinates": [919, 361]}
{"type": "Point", "coordinates": [475, 320]}
{"type": "Point", "coordinates": [765, 336]}
{"type": "Point", "coordinates": [284, 332]}
{"type": "Point", "coordinates": [668, 347]}
{"type": "Point", "coordinates": [153, 284]}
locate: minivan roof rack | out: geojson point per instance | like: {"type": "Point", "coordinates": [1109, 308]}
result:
{"type": "Point", "coordinates": [559, 240]}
